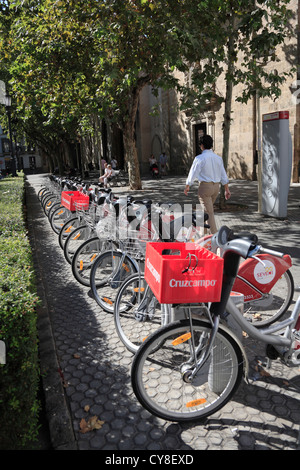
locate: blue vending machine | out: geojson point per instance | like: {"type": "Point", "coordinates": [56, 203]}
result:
{"type": "Point", "coordinates": [276, 164]}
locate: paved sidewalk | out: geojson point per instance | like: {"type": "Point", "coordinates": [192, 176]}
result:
{"type": "Point", "coordinates": [86, 369]}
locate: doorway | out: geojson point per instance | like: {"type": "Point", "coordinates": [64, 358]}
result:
{"type": "Point", "coordinates": [200, 131]}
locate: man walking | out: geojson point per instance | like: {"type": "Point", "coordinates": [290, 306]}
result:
{"type": "Point", "coordinates": [208, 169]}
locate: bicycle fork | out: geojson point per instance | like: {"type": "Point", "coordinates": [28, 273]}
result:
{"type": "Point", "coordinates": [190, 368]}
{"type": "Point", "coordinates": [119, 266]}
{"type": "Point", "coordinates": [231, 262]}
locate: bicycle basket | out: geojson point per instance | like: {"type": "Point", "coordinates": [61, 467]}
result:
{"type": "Point", "coordinates": [88, 216]}
{"type": "Point", "coordinates": [106, 227]}
{"type": "Point", "coordinates": [136, 240]}
{"type": "Point", "coordinates": [183, 273]}
{"type": "Point", "coordinates": [69, 198]}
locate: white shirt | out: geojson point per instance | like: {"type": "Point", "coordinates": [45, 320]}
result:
{"type": "Point", "coordinates": [208, 167]}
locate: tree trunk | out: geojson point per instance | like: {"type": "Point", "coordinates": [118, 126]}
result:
{"type": "Point", "coordinates": [227, 121]}
{"type": "Point", "coordinates": [226, 131]}
{"type": "Point", "coordinates": [131, 156]}
{"type": "Point", "coordinates": [228, 109]}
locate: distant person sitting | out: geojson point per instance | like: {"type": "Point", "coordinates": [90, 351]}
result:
{"type": "Point", "coordinates": [107, 176]}
{"type": "Point", "coordinates": [152, 161]}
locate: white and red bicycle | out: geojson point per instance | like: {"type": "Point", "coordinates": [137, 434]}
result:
{"type": "Point", "coordinates": [264, 280]}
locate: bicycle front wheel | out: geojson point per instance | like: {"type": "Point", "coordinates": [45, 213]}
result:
{"type": "Point", "coordinates": [84, 258]}
{"type": "Point", "coordinates": [160, 366]}
{"type": "Point", "coordinates": [75, 239]}
{"type": "Point", "coordinates": [66, 229]}
{"type": "Point", "coordinates": [58, 218]}
{"type": "Point", "coordinates": [109, 271]}
{"type": "Point", "coordinates": [137, 312]}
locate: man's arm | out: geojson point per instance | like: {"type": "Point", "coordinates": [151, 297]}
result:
{"type": "Point", "coordinates": [191, 176]}
{"type": "Point", "coordinates": [187, 188]}
{"type": "Point", "coordinates": [227, 191]}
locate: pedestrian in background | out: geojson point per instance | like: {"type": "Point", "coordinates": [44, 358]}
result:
{"type": "Point", "coordinates": [114, 163]}
{"type": "Point", "coordinates": [163, 163]}
{"type": "Point", "coordinates": [103, 164]}
{"type": "Point", "coordinates": [208, 169]}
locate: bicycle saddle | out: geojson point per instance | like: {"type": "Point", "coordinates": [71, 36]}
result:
{"type": "Point", "coordinates": [225, 235]}
{"type": "Point", "coordinates": [239, 243]}
{"type": "Point", "coordinates": [251, 237]}
{"type": "Point", "coordinates": [144, 202]}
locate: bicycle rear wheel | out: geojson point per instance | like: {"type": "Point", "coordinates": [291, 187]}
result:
{"type": "Point", "coordinates": [137, 312]}
{"type": "Point", "coordinates": [161, 363]}
{"type": "Point", "coordinates": [272, 306]}
{"type": "Point", "coordinates": [109, 271]}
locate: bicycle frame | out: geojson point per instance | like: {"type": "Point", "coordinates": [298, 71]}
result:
{"type": "Point", "coordinates": [284, 344]}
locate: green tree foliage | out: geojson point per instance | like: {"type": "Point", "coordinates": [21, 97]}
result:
{"type": "Point", "coordinates": [69, 60]}
{"type": "Point", "coordinates": [244, 44]}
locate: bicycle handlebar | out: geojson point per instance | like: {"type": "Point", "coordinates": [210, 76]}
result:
{"type": "Point", "coordinates": [244, 244]}
{"type": "Point", "coordinates": [266, 251]}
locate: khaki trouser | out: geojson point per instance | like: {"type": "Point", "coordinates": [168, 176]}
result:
{"type": "Point", "coordinates": [208, 193]}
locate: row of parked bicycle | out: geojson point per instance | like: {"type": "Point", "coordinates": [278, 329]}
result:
{"type": "Point", "coordinates": [104, 238]}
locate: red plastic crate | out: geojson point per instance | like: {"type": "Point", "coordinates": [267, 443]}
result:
{"type": "Point", "coordinates": [69, 198]}
{"type": "Point", "coordinates": [201, 282]}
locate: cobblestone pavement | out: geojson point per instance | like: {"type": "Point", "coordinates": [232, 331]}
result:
{"type": "Point", "coordinates": [86, 369]}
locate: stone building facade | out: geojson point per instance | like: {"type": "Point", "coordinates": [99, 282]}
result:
{"type": "Point", "coordinates": [177, 134]}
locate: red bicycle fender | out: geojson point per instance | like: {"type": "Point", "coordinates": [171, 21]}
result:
{"type": "Point", "coordinates": [263, 278]}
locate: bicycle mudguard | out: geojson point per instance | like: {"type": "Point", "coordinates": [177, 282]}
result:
{"type": "Point", "coordinates": [260, 276]}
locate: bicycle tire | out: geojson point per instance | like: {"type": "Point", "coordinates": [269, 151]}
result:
{"type": "Point", "coordinates": [137, 312]}
{"type": "Point", "coordinates": [42, 191]}
{"type": "Point", "coordinates": [47, 202]}
{"type": "Point", "coordinates": [265, 312]}
{"type": "Point", "coordinates": [53, 207]}
{"type": "Point", "coordinates": [66, 229]}
{"type": "Point", "coordinates": [45, 195]}
{"type": "Point", "coordinates": [83, 259]}
{"type": "Point", "coordinates": [75, 239]}
{"type": "Point", "coordinates": [158, 369]}
{"type": "Point", "coordinates": [107, 276]}
{"type": "Point", "coordinates": [58, 217]}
